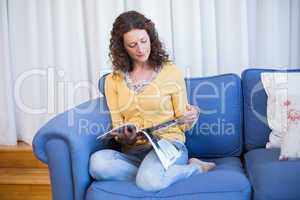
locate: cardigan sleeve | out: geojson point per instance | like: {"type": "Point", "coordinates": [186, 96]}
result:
{"type": "Point", "coordinates": [179, 100]}
{"type": "Point", "coordinates": [111, 94]}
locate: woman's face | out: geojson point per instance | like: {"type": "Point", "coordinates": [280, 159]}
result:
{"type": "Point", "coordinates": [137, 45]}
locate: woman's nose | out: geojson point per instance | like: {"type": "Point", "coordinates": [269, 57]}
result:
{"type": "Point", "coordinates": [139, 48]}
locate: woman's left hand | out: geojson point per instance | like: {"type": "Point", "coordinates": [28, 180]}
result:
{"type": "Point", "coordinates": [191, 115]}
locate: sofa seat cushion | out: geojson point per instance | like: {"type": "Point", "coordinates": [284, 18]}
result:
{"type": "Point", "coordinates": [226, 181]}
{"type": "Point", "coordinates": [270, 178]}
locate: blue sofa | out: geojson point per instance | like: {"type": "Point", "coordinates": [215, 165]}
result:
{"type": "Point", "coordinates": [231, 132]}
{"type": "Point", "coordinates": [269, 177]}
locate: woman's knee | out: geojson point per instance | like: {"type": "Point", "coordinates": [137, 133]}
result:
{"type": "Point", "coordinates": [100, 164]}
{"type": "Point", "coordinates": [112, 165]}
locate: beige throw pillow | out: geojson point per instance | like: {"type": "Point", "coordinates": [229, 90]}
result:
{"type": "Point", "coordinates": [283, 111]}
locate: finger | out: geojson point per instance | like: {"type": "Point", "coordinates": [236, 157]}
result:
{"type": "Point", "coordinates": [140, 137]}
{"type": "Point", "coordinates": [114, 133]}
{"type": "Point", "coordinates": [140, 134]}
{"type": "Point", "coordinates": [120, 137]}
{"type": "Point", "coordinates": [188, 107]}
{"type": "Point", "coordinates": [195, 115]}
{"type": "Point", "coordinates": [132, 139]}
{"type": "Point", "coordinates": [191, 119]}
{"type": "Point", "coordinates": [188, 113]}
{"type": "Point", "coordinates": [127, 133]}
{"type": "Point", "coordinates": [132, 136]}
{"type": "Point", "coordinates": [195, 109]}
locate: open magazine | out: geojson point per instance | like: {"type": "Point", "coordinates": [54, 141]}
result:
{"type": "Point", "coordinates": [165, 150]}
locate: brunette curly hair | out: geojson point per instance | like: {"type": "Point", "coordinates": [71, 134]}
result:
{"type": "Point", "coordinates": [124, 23]}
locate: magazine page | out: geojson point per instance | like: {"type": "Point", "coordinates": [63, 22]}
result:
{"type": "Point", "coordinates": [131, 126]}
{"type": "Point", "coordinates": [165, 150]}
{"type": "Point", "coordinates": [120, 130]}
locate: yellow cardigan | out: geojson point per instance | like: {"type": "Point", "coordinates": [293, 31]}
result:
{"type": "Point", "coordinates": [162, 100]}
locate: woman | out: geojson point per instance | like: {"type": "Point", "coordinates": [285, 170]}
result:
{"type": "Point", "coordinates": [146, 89]}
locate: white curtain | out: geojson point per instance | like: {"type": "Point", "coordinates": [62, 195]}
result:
{"type": "Point", "coordinates": [52, 52]}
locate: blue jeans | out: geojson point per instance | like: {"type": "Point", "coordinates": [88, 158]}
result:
{"type": "Point", "coordinates": [148, 173]}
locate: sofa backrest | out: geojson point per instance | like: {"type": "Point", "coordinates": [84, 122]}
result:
{"type": "Point", "coordinates": [218, 132]}
{"type": "Point", "coordinates": [256, 129]}
{"type": "Point", "coordinates": [101, 84]}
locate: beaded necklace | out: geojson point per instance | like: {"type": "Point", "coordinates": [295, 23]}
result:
{"type": "Point", "coordinates": [138, 86]}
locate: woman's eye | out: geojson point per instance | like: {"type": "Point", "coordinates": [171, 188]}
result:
{"type": "Point", "coordinates": [132, 46]}
{"type": "Point", "coordinates": [144, 41]}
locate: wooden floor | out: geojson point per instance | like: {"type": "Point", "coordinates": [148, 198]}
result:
{"type": "Point", "coordinates": [22, 176]}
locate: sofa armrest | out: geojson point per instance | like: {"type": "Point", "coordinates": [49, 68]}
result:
{"type": "Point", "coordinates": [66, 142]}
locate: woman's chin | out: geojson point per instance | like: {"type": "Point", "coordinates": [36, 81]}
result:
{"type": "Point", "coordinates": [141, 60]}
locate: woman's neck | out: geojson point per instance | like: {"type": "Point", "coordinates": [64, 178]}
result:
{"type": "Point", "coordinates": [141, 72]}
{"type": "Point", "coordinates": [137, 67]}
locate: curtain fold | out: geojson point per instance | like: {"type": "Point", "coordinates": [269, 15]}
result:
{"type": "Point", "coordinates": [294, 41]}
{"type": "Point", "coordinates": [53, 52]}
{"type": "Point", "coordinates": [8, 133]}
